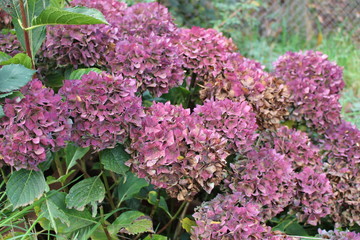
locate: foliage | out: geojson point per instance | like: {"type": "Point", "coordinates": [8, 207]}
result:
{"type": "Point", "coordinates": [115, 123]}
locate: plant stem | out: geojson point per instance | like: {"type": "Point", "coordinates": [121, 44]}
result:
{"type": "Point", "coordinates": [26, 33]}
{"type": "Point", "coordinates": [178, 228]}
{"type": "Point", "coordinates": [108, 236]}
{"type": "Point", "coordinates": [108, 193]}
{"type": "Point", "coordinates": [174, 217]}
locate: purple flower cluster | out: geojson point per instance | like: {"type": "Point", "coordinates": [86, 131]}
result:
{"type": "Point", "coordinates": [342, 166]}
{"type": "Point", "coordinates": [234, 121]}
{"type": "Point", "coordinates": [9, 44]}
{"type": "Point", "coordinates": [144, 19]}
{"type": "Point", "coordinates": [240, 76]}
{"type": "Point", "coordinates": [228, 217]}
{"type": "Point", "coordinates": [204, 51]}
{"type": "Point", "coordinates": [313, 191]}
{"type": "Point", "coordinates": [32, 125]}
{"type": "Point", "coordinates": [153, 61]}
{"type": "Point", "coordinates": [266, 178]}
{"type": "Point", "coordinates": [315, 83]}
{"type": "Point", "coordinates": [176, 152]}
{"type": "Point", "coordinates": [103, 109]}
{"type": "Point", "coordinates": [339, 235]}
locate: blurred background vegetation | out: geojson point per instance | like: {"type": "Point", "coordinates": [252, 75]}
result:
{"type": "Point", "coordinates": [265, 29]}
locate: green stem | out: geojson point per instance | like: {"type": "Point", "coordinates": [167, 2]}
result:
{"type": "Point", "coordinates": [108, 193]}
{"type": "Point", "coordinates": [4, 175]}
{"type": "Point", "coordinates": [178, 228]}
{"type": "Point", "coordinates": [174, 217]}
{"type": "Point", "coordinates": [26, 33]}
{"type": "Point", "coordinates": [103, 223]}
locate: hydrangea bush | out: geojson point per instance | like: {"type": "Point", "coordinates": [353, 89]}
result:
{"type": "Point", "coordinates": [246, 153]}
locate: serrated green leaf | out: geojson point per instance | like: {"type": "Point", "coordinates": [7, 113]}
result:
{"type": "Point", "coordinates": [14, 76]}
{"type": "Point", "coordinates": [129, 186]}
{"type": "Point", "coordinates": [78, 220]}
{"type": "Point", "coordinates": [20, 58]}
{"type": "Point", "coordinates": [78, 73]}
{"type": "Point", "coordinates": [69, 16]}
{"type": "Point", "coordinates": [187, 224]}
{"type": "Point", "coordinates": [24, 186]}
{"type": "Point", "coordinates": [132, 222]}
{"type": "Point", "coordinates": [155, 237]}
{"type": "Point", "coordinates": [114, 160]}
{"type": "Point", "coordinates": [87, 191]}
{"type": "Point", "coordinates": [57, 3]}
{"type": "Point", "coordinates": [53, 208]}
{"type": "Point", "coordinates": [73, 153]}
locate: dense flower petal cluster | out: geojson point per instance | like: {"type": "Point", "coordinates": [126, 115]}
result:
{"type": "Point", "coordinates": [234, 121]}
{"type": "Point", "coordinates": [228, 217]}
{"type": "Point", "coordinates": [32, 125]}
{"type": "Point", "coordinates": [313, 194]}
{"type": "Point", "coordinates": [9, 44]}
{"type": "Point", "coordinates": [339, 235]}
{"type": "Point", "coordinates": [342, 155]}
{"type": "Point", "coordinates": [144, 19]}
{"type": "Point", "coordinates": [103, 109]}
{"type": "Point", "coordinates": [204, 51]}
{"type": "Point", "coordinates": [315, 83]}
{"type": "Point", "coordinates": [176, 152]}
{"type": "Point", "coordinates": [266, 178]}
{"type": "Point", "coordinates": [153, 61]}
{"type": "Point", "coordinates": [313, 189]}
{"type": "Point", "coordinates": [240, 76]}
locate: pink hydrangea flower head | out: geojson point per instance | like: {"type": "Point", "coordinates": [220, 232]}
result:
{"type": "Point", "coordinates": [264, 177]}
{"type": "Point", "coordinates": [9, 44]}
{"type": "Point", "coordinates": [204, 50]}
{"type": "Point", "coordinates": [177, 153]}
{"type": "Point", "coordinates": [153, 61]}
{"type": "Point", "coordinates": [314, 83]}
{"type": "Point", "coordinates": [234, 121]}
{"type": "Point", "coordinates": [103, 108]}
{"type": "Point", "coordinates": [242, 77]}
{"type": "Point", "coordinates": [228, 217]}
{"type": "Point", "coordinates": [342, 166]}
{"type": "Point", "coordinates": [33, 125]}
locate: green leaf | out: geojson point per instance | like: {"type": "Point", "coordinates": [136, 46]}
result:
{"type": "Point", "coordinates": [57, 3]}
{"type": "Point", "coordinates": [73, 153]}
{"type": "Point", "coordinates": [78, 73]}
{"type": "Point", "coordinates": [4, 56]}
{"type": "Point", "coordinates": [178, 95]}
{"type": "Point", "coordinates": [155, 237]}
{"type": "Point", "coordinates": [1, 112]}
{"type": "Point", "coordinates": [20, 58]}
{"type": "Point", "coordinates": [14, 76]}
{"type": "Point", "coordinates": [187, 224]}
{"type": "Point", "coordinates": [68, 16]}
{"type": "Point", "coordinates": [161, 203]}
{"type": "Point", "coordinates": [24, 186]}
{"type": "Point", "coordinates": [129, 186]}
{"type": "Point", "coordinates": [132, 222]}
{"type": "Point", "coordinates": [114, 159]}
{"type": "Point", "coordinates": [290, 226]}
{"type": "Point", "coordinates": [90, 190]}
{"type": "Point", "coordinates": [53, 208]}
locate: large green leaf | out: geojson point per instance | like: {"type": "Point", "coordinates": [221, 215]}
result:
{"type": "Point", "coordinates": [14, 76]}
{"type": "Point", "coordinates": [4, 56]}
{"type": "Point", "coordinates": [153, 199]}
{"type": "Point", "coordinates": [1, 112]}
{"type": "Point", "coordinates": [132, 222]}
{"type": "Point", "coordinates": [78, 220]}
{"type": "Point", "coordinates": [129, 186]}
{"type": "Point", "coordinates": [155, 237]}
{"type": "Point", "coordinates": [68, 16]}
{"type": "Point", "coordinates": [114, 159]}
{"type": "Point", "coordinates": [20, 58]}
{"type": "Point", "coordinates": [24, 186]}
{"type": "Point", "coordinates": [87, 191]}
{"type": "Point", "coordinates": [73, 153]}
{"type": "Point", "coordinates": [78, 73]}
{"type": "Point", "coordinates": [54, 208]}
